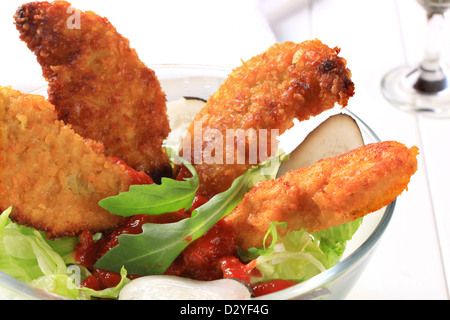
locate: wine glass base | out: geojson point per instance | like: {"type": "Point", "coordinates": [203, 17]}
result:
{"type": "Point", "coordinates": [398, 88]}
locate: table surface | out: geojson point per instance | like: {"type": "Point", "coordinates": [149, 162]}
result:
{"type": "Point", "coordinates": [412, 261]}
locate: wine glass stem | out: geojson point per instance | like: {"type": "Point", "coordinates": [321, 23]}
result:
{"type": "Point", "coordinates": [432, 58]}
{"type": "Point", "coordinates": [432, 77]}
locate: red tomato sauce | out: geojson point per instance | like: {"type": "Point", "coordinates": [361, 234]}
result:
{"type": "Point", "coordinates": [137, 177]}
{"type": "Point", "coordinates": [200, 260]}
{"type": "Point", "coordinates": [87, 252]}
{"type": "Point", "coordinates": [232, 267]}
{"type": "Point", "coordinates": [213, 256]}
{"type": "Point", "coordinates": [263, 288]}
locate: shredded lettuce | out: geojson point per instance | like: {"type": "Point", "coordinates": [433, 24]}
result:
{"type": "Point", "coordinates": [28, 256]}
{"type": "Point", "coordinates": [301, 255]}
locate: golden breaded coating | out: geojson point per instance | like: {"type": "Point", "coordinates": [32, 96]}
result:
{"type": "Point", "coordinates": [329, 193]}
{"type": "Point", "coordinates": [288, 81]}
{"type": "Point", "coordinates": [51, 176]}
{"type": "Point", "coordinates": [98, 84]}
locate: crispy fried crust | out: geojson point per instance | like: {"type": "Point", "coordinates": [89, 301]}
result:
{"type": "Point", "coordinates": [51, 176]}
{"type": "Point", "coordinates": [269, 91]}
{"type": "Point", "coordinates": [329, 193]}
{"type": "Point", "coordinates": [98, 84]}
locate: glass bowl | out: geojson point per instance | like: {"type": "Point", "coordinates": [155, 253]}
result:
{"type": "Point", "coordinates": [335, 283]}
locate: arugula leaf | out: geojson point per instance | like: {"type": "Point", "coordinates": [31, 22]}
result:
{"type": "Point", "coordinates": [170, 196]}
{"type": "Point", "coordinates": [153, 251]}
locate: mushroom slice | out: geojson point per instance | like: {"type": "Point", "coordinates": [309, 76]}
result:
{"type": "Point", "coordinates": [337, 135]}
{"type": "Point", "coordinates": [177, 288]}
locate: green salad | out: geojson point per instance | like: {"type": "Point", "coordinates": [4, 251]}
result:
{"type": "Point", "coordinates": [28, 256]}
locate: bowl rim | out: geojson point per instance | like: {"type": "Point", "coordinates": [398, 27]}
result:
{"type": "Point", "coordinates": [25, 290]}
{"type": "Point", "coordinates": [311, 288]}
{"type": "Point", "coordinates": [303, 290]}
{"type": "Point", "coordinates": [306, 289]}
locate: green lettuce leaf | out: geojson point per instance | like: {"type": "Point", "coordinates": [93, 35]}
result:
{"type": "Point", "coordinates": [301, 255]}
{"type": "Point", "coordinates": [25, 254]}
{"type": "Point", "coordinates": [332, 242]}
{"type": "Point", "coordinates": [169, 196]}
{"type": "Point", "coordinates": [7, 263]}
{"type": "Point", "coordinates": [253, 253]}
{"type": "Point", "coordinates": [153, 251]}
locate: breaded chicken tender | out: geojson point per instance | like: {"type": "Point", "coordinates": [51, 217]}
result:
{"type": "Point", "coordinates": [331, 192]}
{"type": "Point", "coordinates": [288, 81]}
{"type": "Point", "coordinates": [98, 84]}
{"type": "Point", "coordinates": [51, 176]}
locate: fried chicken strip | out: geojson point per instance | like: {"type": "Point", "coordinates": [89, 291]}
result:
{"type": "Point", "coordinates": [98, 84]}
{"type": "Point", "coordinates": [269, 91]}
{"type": "Point", "coordinates": [51, 176]}
{"type": "Point", "coordinates": [329, 193]}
